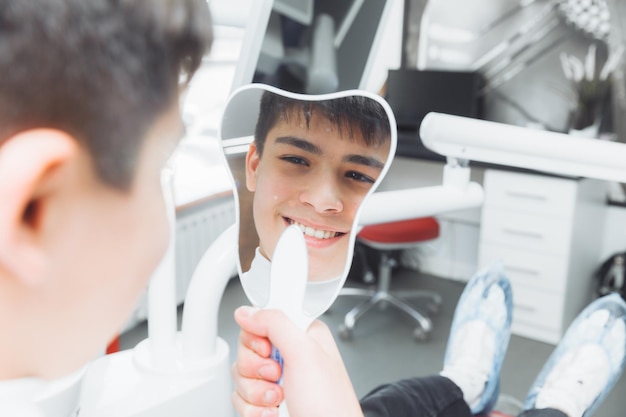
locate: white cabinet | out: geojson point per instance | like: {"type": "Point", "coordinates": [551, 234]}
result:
{"type": "Point", "coordinates": [548, 233]}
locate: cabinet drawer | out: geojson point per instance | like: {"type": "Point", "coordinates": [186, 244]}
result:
{"type": "Point", "coordinates": [526, 231]}
{"type": "Point", "coordinates": [530, 193]}
{"type": "Point", "coordinates": [537, 308]}
{"type": "Point", "coordinates": [530, 269]}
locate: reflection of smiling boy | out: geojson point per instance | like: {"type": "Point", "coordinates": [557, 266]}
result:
{"type": "Point", "coordinates": [311, 164]}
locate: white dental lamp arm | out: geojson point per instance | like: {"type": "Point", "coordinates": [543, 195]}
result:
{"type": "Point", "coordinates": [389, 206]}
{"type": "Point", "coordinates": [200, 314]}
{"type": "Point", "coordinates": [162, 289]}
{"type": "Point", "coordinates": [464, 139]}
{"type": "Point", "coordinates": [503, 144]}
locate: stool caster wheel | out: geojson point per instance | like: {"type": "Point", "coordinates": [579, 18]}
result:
{"type": "Point", "coordinates": [369, 277]}
{"type": "Point", "coordinates": [345, 333]}
{"type": "Point", "coordinates": [420, 334]}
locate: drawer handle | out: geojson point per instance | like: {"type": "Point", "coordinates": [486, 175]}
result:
{"type": "Point", "coordinates": [529, 196]}
{"type": "Point", "coordinates": [528, 309]}
{"type": "Point", "coordinates": [522, 270]}
{"type": "Point", "coordinates": [524, 233]}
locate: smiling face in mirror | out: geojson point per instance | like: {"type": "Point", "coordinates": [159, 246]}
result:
{"type": "Point", "coordinates": [311, 164]}
{"type": "Point", "coordinates": [311, 161]}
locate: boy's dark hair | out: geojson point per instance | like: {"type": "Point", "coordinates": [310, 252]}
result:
{"type": "Point", "coordinates": [100, 70]}
{"type": "Point", "coordinates": [346, 113]}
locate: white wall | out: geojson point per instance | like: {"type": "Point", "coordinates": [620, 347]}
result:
{"type": "Point", "coordinates": [614, 231]}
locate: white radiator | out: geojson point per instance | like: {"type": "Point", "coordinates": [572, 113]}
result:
{"type": "Point", "coordinates": [196, 229]}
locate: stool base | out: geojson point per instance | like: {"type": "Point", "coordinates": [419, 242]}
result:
{"type": "Point", "coordinates": [397, 299]}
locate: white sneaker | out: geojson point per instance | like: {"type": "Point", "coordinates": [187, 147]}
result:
{"type": "Point", "coordinates": [586, 363]}
{"type": "Point", "coordinates": [479, 337]}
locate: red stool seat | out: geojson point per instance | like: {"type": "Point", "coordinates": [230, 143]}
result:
{"type": "Point", "coordinates": [403, 231]}
{"type": "Point", "coordinates": [390, 239]}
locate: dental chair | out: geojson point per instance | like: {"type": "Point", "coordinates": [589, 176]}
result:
{"type": "Point", "coordinates": [390, 239]}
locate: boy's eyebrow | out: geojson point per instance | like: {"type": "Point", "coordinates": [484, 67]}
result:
{"type": "Point", "coordinates": [364, 160]}
{"type": "Point", "coordinates": [305, 145]}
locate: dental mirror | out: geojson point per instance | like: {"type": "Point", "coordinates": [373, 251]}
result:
{"type": "Point", "coordinates": [309, 161]}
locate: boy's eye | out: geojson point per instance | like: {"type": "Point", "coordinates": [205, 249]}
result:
{"type": "Point", "coordinates": [296, 160]}
{"type": "Point", "coordinates": [357, 176]}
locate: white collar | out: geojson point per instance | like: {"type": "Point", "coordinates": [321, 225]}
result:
{"type": "Point", "coordinates": [36, 397]}
{"type": "Point", "coordinates": [256, 284]}
{"type": "Point", "coordinates": [17, 397]}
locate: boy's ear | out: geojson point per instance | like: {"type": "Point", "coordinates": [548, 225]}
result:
{"type": "Point", "coordinates": [28, 161]}
{"type": "Point", "coordinates": [252, 164]}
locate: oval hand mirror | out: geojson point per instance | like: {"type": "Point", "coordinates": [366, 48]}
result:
{"type": "Point", "coordinates": [308, 161]}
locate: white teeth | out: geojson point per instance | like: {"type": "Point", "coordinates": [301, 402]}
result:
{"type": "Point", "coordinates": [318, 234]}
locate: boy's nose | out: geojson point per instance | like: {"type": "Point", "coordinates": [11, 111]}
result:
{"type": "Point", "coordinates": [323, 195]}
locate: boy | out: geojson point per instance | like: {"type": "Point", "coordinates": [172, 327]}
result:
{"type": "Point", "coordinates": [311, 164]}
{"type": "Point", "coordinates": [89, 113]}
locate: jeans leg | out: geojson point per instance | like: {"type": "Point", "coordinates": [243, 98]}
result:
{"type": "Point", "coordinates": [433, 396]}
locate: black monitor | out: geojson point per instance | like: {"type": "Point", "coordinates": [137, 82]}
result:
{"type": "Point", "coordinates": [413, 93]}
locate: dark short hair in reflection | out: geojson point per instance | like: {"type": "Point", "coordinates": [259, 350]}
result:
{"type": "Point", "coordinates": [100, 70]}
{"type": "Point", "coordinates": [348, 114]}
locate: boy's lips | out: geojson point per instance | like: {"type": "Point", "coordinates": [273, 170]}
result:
{"type": "Point", "coordinates": [314, 232]}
